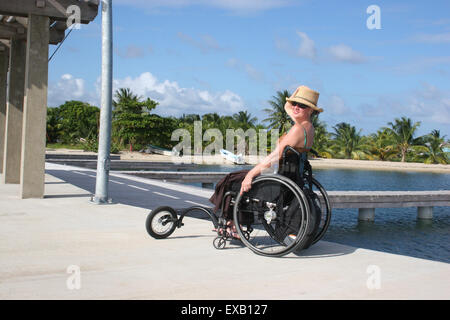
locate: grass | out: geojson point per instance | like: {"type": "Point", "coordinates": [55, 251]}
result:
{"type": "Point", "coordinates": [65, 146]}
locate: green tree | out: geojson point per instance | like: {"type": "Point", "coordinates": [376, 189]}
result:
{"type": "Point", "coordinates": [403, 131]}
{"type": "Point", "coordinates": [431, 150]}
{"type": "Point", "coordinates": [78, 120]}
{"type": "Point", "coordinates": [278, 118]}
{"type": "Point", "coordinates": [54, 126]}
{"type": "Point", "coordinates": [244, 120]}
{"type": "Point", "coordinates": [322, 138]}
{"type": "Point", "coordinates": [131, 118]}
{"type": "Point", "coordinates": [348, 143]}
{"type": "Point", "coordinates": [126, 101]}
{"type": "Point", "coordinates": [381, 146]}
{"type": "Point", "coordinates": [189, 118]}
{"type": "Point", "coordinates": [212, 120]}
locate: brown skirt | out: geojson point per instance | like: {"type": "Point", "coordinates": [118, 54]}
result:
{"type": "Point", "coordinates": [231, 182]}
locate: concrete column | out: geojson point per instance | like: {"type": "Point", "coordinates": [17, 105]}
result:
{"type": "Point", "coordinates": [366, 214]}
{"type": "Point", "coordinates": [32, 178]}
{"type": "Point", "coordinates": [424, 212]}
{"type": "Point", "coordinates": [14, 112]}
{"type": "Point", "coordinates": [4, 62]}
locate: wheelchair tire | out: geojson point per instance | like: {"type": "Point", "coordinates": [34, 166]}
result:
{"type": "Point", "coordinates": [326, 212]}
{"type": "Point", "coordinates": [285, 233]}
{"type": "Point", "coordinates": [161, 222]}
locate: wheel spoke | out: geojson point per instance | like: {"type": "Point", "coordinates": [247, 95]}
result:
{"type": "Point", "coordinates": [279, 211]}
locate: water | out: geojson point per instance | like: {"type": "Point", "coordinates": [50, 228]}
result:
{"type": "Point", "coordinates": [395, 230]}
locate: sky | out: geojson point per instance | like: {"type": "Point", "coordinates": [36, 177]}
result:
{"type": "Point", "coordinates": [226, 56]}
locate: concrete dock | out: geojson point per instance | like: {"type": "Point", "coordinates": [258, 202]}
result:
{"type": "Point", "coordinates": [64, 247]}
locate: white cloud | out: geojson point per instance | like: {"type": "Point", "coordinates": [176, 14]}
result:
{"type": "Point", "coordinates": [307, 47]}
{"type": "Point", "coordinates": [422, 64]}
{"type": "Point", "coordinates": [430, 103]}
{"type": "Point", "coordinates": [206, 43]}
{"type": "Point", "coordinates": [70, 88]}
{"type": "Point", "coordinates": [344, 53]}
{"type": "Point", "coordinates": [252, 72]}
{"type": "Point", "coordinates": [175, 100]}
{"type": "Point", "coordinates": [133, 51]}
{"type": "Point", "coordinates": [433, 38]}
{"type": "Point", "coordinates": [427, 104]}
{"type": "Point", "coordinates": [335, 104]}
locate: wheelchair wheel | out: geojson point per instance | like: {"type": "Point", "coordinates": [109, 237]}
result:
{"type": "Point", "coordinates": [277, 212]}
{"type": "Point", "coordinates": [325, 207]}
{"type": "Point", "coordinates": [161, 222]}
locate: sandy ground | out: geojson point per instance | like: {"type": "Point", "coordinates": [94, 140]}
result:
{"type": "Point", "coordinates": [316, 163]}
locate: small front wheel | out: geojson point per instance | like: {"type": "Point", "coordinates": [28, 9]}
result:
{"type": "Point", "coordinates": [161, 222]}
{"type": "Point", "coordinates": [220, 242]}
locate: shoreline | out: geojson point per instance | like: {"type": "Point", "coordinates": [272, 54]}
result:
{"type": "Point", "coordinates": [252, 160]}
{"type": "Point", "coordinates": [378, 165]}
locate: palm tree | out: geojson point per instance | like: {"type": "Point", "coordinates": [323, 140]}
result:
{"type": "Point", "coordinates": [211, 118]}
{"type": "Point", "coordinates": [382, 145]}
{"type": "Point", "coordinates": [244, 120]}
{"type": "Point", "coordinates": [322, 138]}
{"type": "Point", "coordinates": [403, 131]}
{"type": "Point", "coordinates": [278, 118]}
{"type": "Point", "coordinates": [129, 116]}
{"type": "Point", "coordinates": [432, 148]}
{"type": "Point", "coordinates": [125, 101]}
{"type": "Point", "coordinates": [189, 118]}
{"type": "Point", "coordinates": [347, 142]}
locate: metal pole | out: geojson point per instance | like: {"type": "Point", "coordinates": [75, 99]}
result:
{"type": "Point", "coordinates": [104, 144]}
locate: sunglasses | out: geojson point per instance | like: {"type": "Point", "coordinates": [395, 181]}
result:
{"type": "Point", "coordinates": [300, 105]}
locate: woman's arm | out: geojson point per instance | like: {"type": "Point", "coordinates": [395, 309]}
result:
{"type": "Point", "coordinates": [291, 139]}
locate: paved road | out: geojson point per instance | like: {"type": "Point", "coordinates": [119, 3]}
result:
{"type": "Point", "coordinates": [135, 191]}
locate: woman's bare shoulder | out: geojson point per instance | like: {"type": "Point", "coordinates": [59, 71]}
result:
{"type": "Point", "coordinates": [308, 127]}
{"type": "Point", "coordinates": [296, 129]}
{"type": "Point", "coordinates": [295, 135]}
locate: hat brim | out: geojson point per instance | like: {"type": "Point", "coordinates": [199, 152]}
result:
{"type": "Point", "coordinates": [304, 101]}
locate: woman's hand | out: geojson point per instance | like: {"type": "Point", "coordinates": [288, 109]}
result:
{"type": "Point", "coordinates": [246, 183]}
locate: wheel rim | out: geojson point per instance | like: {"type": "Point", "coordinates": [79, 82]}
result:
{"type": "Point", "coordinates": [161, 223]}
{"type": "Point", "coordinates": [271, 236]}
{"type": "Point", "coordinates": [325, 207]}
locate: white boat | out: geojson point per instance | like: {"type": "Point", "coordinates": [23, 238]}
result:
{"type": "Point", "coordinates": [237, 159]}
{"type": "Point", "coordinates": [158, 150]}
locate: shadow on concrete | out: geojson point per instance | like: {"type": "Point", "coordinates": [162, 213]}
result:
{"type": "Point", "coordinates": [324, 250]}
{"type": "Point", "coordinates": [185, 237]}
{"type": "Point", "coordinates": [56, 196]}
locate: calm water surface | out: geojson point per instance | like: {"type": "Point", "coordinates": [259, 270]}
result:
{"type": "Point", "coordinates": [395, 230]}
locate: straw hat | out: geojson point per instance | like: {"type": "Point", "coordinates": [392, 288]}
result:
{"type": "Point", "coordinates": [306, 96]}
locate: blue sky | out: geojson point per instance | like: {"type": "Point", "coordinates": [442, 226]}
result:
{"type": "Point", "coordinates": [198, 56]}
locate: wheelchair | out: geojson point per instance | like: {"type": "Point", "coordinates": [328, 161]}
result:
{"type": "Point", "coordinates": [283, 212]}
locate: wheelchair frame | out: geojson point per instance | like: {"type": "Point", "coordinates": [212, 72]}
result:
{"type": "Point", "coordinates": [170, 218]}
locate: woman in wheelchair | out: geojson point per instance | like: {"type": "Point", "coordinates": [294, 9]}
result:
{"type": "Point", "coordinates": [272, 213]}
{"type": "Point", "coordinates": [300, 106]}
